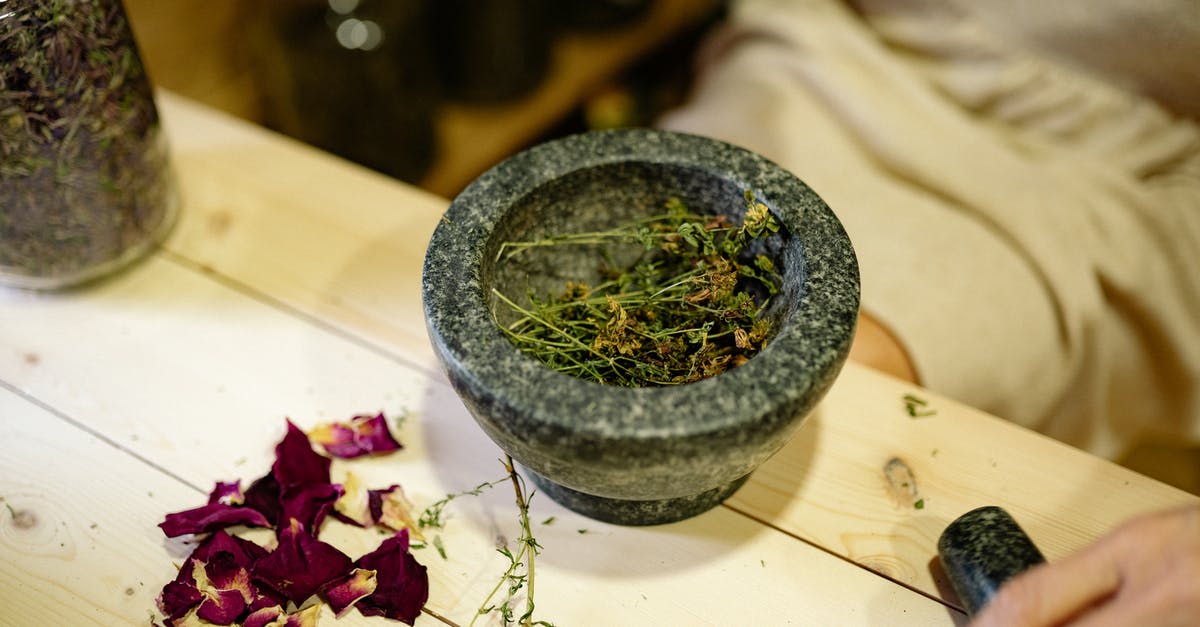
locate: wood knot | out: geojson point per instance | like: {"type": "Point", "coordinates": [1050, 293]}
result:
{"type": "Point", "coordinates": [24, 519]}
{"type": "Point", "coordinates": [902, 483]}
{"type": "Point", "coordinates": [219, 223]}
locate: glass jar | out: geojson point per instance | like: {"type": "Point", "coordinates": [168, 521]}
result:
{"type": "Point", "coordinates": [85, 182]}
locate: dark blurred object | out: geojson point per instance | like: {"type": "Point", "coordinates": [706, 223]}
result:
{"type": "Point", "coordinates": [356, 78]}
{"type": "Point", "coordinates": [647, 89]}
{"type": "Point", "coordinates": [981, 550]}
{"type": "Point", "coordinates": [593, 15]}
{"type": "Point", "coordinates": [491, 50]}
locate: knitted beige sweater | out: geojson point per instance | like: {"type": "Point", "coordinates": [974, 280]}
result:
{"type": "Point", "coordinates": [1027, 219]}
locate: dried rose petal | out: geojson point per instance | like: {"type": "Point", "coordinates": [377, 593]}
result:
{"type": "Point", "coordinates": [210, 518]}
{"type": "Point", "coordinates": [353, 507]}
{"type": "Point", "coordinates": [265, 617]}
{"type": "Point", "coordinates": [361, 435]}
{"type": "Point", "coordinates": [225, 586]}
{"type": "Point", "coordinates": [275, 617]}
{"type": "Point", "coordinates": [341, 594]}
{"type": "Point", "coordinates": [263, 495]}
{"type": "Point", "coordinates": [300, 565]}
{"type": "Point", "coordinates": [227, 493]}
{"type": "Point", "coordinates": [390, 508]}
{"type": "Point", "coordinates": [244, 552]}
{"type": "Point", "coordinates": [309, 503]}
{"type": "Point", "coordinates": [221, 607]}
{"type": "Point", "coordinates": [178, 597]}
{"type": "Point", "coordinates": [297, 462]}
{"type": "Point", "coordinates": [402, 584]}
{"type": "Point", "coordinates": [215, 579]}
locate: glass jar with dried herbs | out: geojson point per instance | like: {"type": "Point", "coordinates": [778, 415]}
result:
{"type": "Point", "coordinates": [85, 184]}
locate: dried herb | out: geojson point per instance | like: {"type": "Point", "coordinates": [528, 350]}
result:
{"type": "Point", "coordinates": [690, 306]}
{"type": "Point", "coordinates": [83, 177]}
{"type": "Point", "coordinates": [917, 407]}
{"type": "Point", "coordinates": [520, 571]}
{"type": "Point", "coordinates": [519, 574]}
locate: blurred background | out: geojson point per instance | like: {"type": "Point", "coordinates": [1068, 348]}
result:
{"type": "Point", "coordinates": [432, 92]}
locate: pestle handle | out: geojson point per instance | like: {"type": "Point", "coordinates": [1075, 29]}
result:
{"type": "Point", "coordinates": [981, 550]}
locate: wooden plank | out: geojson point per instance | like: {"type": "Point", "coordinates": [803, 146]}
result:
{"type": "Point", "coordinates": [336, 241]}
{"type": "Point", "coordinates": [830, 484]}
{"type": "Point", "coordinates": [826, 486]}
{"type": "Point", "coordinates": [196, 377]}
{"type": "Point", "coordinates": [78, 545]}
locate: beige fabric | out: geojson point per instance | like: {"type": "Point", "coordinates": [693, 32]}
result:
{"type": "Point", "coordinates": [1031, 233]}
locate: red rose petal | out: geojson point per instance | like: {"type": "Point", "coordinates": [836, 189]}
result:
{"type": "Point", "coordinates": [341, 594]}
{"type": "Point", "coordinates": [275, 617]}
{"type": "Point", "coordinates": [392, 509]}
{"type": "Point", "coordinates": [297, 462]}
{"type": "Point", "coordinates": [221, 607]}
{"type": "Point", "coordinates": [178, 597]}
{"type": "Point", "coordinates": [244, 552]}
{"type": "Point", "coordinates": [263, 496]}
{"type": "Point", "coordinates": [227, 493]}
{"type": "Point", "coordinates": [264, 617]}
{"type": "Point", "coordinates": [309, 503]}
{"type": "Point", "coordinates": [300, 565]}
{"type": "Point", "coordinates": [361, 435]}
{"type": "Point", "coordinates": [210, 518]}
{"type": "Point", "coordinates": [402, 583]}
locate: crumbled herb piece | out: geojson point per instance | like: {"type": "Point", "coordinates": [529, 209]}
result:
{"type": "Point", "coordinates": [431, 517]}
{"type": "Point", "coordinates": [920, 504]}
{"type": "Point", "coordinates": [916, 406]}
{"type": "Point", "coordinates": [548, 521]}
{"type": "Point", "coordinates": [437, 544]}
{"type": "Point", "coordinates": [690, 306]}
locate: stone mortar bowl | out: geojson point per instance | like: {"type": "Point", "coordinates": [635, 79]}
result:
{"type": "Point", "coordinates": [645, 455]}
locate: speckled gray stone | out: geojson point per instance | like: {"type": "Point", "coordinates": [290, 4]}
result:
{"type": "Point", "coordinates": [981, 550]}
{"type": "Point", "coordinates": [634, 455]}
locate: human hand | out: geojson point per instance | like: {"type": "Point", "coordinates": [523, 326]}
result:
{"type": "Point", "coordinates": [1145, 573]}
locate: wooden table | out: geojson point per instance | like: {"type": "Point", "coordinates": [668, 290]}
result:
{"type": "Point", "coordinates": [290, 288]}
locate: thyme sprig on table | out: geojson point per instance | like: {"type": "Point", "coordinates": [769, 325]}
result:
{"type": "Point", "coordinates": [689, 307]}
{"type": "Point", "coordinates": [519, 573]}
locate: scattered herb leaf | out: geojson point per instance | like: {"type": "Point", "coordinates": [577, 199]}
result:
{"type": "Point", "coordinates": [920, 504]}
{"type": "Point", "coordinates": [917, 407]}
{"type": "Point", "coordinates": [437, 544]}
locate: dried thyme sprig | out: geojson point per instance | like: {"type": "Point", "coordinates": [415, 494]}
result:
{"type": "Point", "coordinates": [688, 308]}
{"type": "Point", "coordinates": [513, 579]}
